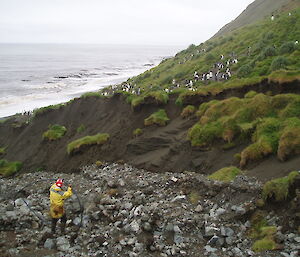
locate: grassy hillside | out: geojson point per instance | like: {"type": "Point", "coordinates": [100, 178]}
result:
{"type": "Point", "coordinates": [271, 123]}
{"type": "Point", "coordinates": [256, 11]}
{"type": "Point", "coordinates": [199, 99]}
{"type": "Point", "coordinates": [245, 56]}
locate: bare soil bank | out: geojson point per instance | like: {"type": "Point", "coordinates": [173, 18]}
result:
{"type": "Point", "coordinates": [158, 148]}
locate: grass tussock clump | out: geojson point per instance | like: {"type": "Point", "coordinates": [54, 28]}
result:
{"type": "Point", "coordinates": [80, 129]}
{"type": "Point", "coordinates": [250, 94]}
{"type": "Point", "coordinates": [98, 139]}
{"type": "Point", "coordinates": [137, 132]}
{"type": "Point", "coordinates": [265, 140]}
{"type": "Point", "coordinates": [264, 244]}
{"type": "Point", "coordinates": [159, 118]}
{"type": "Point", "coordinates": [42, 110]}
{"type": "Point", "coordinates": [284, 76]}
{"type": "Point", "coordinates": [203, 135]}
{"type": "Point", "coordinates": [194, 197]}
{"type": "Point", "coordinates": [271, 122]}
{"type": "Point", "coordinates": [278, 189]}
{"type": "Point", "coordinates": [99, 163]}
{"type": "Point", "coordinates": [255, 152]}
{"type": "Point", "coordinates": [263, 234]}
{"type": "Point", "coordinates": [219, 87]}
{"type": "Point", "coordinates": [289, 143]}
{"type": "Point", "coordinates": [226, 174]}
{"type": "Point", "coordinates": [2, 150]}
{"type": "Point", "coordinates": [160, 97]}
{"type": "Point", "coordinates": [188, 111]}
{"type": "Point", "coordinates": [9, 168]}
{"type": "Point", "coordinates": [54, 132]}
{"type": "Point", "coordinates": [91, 94]}
{"type": "Point", "coordinates": [292, 109]}
{"type": "Point", "coordinates": [220, 109]}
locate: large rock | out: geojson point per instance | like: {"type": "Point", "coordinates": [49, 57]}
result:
{"type": "Point", "coordinates": [225, 231]}
{"type": "Point", "coordinates": [210, 249]}
{"type": "Point", "coordinates": [11, 215]}
{"type": "Point", "coordinates": [237, 252]}
{"type": "Point", "coordinates": [63, 244]}
{"type": "Point", "coordinates": [49, 243]}
{"type": "Point", "coordinates": [211, 231]}
{"type": "Point", "coordinates": [134, 226]}
{"type": "Point", "coordinates": [19, 202]}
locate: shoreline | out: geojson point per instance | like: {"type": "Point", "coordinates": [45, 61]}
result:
{"type": "Point", "coordinates": [68, 73]}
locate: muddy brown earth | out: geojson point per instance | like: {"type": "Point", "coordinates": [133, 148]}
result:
{"type": "Point", "coordinates": [164, 148]}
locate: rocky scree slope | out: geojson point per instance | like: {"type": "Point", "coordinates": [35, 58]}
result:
{"type": "Point", "coordinates": [132, 212]}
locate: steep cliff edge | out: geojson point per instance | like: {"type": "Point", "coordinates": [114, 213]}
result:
{"type": "Point", "coordinates": [160, 148]}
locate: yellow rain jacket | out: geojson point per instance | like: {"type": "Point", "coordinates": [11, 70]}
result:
{"type": "Point", "coordinates": [57, 198]}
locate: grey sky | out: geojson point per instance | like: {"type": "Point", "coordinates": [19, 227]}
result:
{"type": "Point", "coordinates": [169, 22]}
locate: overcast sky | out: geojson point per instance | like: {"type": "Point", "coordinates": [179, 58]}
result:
{"type": "Point", "coordinates": [153, 22]}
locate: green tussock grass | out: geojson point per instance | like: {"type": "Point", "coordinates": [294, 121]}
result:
{"type": "Point", "coordinates": [54, 132]}
{"type": "Point", "coordinates": [202, 135]}
{"type": "Point", "coordinates": [284, 76]}
{"type": "Point", "coordinates": [265, 138]}
{"type": "Point", "coordinates": [47, 108]}
{"type": "Point", "coordinates": [271, 122]}
{"type": "Point", "coordinates": [279, 188]}
{"type": "Point", "coordinates": [188, 111]}
{"type": "Point", "coordinates": [159, 97]}
{"type": "Point", "coordinates": [2, 150]}
{"type": "Point", "coordinates": [226, 174]}
{"type": "Point", "coordinates": [9, 168]}
{"type": "Point", "coordinates": [98, 139]}
{"type": "Point", "coordinates": [99, 163]}
{"type": "Point", "coordinates": [194, 197]}
{"type": "Point", "coordinates": [264, 244]}
{"type": "Point", "coordinates": [40, 169]}
{"type": "Point", "coordinates": [136, 101]}
{"type": "Point", "coordinates": [218, 87]}
{"type": "Point", "coordinates": [289, 143]}
{"type": "Point", "coordinates": [80, 129]}
{"type": "Point", "coordinates": [91, 94]}
{"type": "Point", "coordinates": [250, 94]}
{"type": "Point", "coordinates": [129, 97]}
{"type": "Point", "coordinates": [159, 118]}
{"type": "Point", "coordinates": [137, 132]}
{"type": "Point", "coordinates": [3, 120]}
{"type": "Point", "coordinates": [263, 235]}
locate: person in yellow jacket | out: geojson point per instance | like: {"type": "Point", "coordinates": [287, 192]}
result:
{"type": "Point", "coordinates": [57, 197]}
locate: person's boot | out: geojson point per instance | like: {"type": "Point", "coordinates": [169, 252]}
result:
{"type": "Point", "coordinates": [63, 228]}
{"type": "Point", "coordinates": [53, 228]}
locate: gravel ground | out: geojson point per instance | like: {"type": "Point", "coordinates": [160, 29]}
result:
{"type": "Point", "coordinates": [132, 212]}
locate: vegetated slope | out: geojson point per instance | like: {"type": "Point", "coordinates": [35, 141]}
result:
{"type": "Point", "coordinates": [263, 57]}
{"type": "Point", "coordinates": [256, 11]}
{"type": "Point", "coordinates": [252, 52]}
{"type": "Point", "coordinates": [160, 148]}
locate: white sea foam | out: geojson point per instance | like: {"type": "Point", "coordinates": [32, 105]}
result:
{"type": "Point", "coordinates": [51, 74]}
{"type": "Point", "coordinates": [56, 92]}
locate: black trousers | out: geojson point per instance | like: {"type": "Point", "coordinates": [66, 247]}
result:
{"type": "Point", "coordinates": [63, 221]}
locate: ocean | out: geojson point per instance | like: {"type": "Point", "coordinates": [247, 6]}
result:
{"type": "Point", "coordinates": [38, 75]}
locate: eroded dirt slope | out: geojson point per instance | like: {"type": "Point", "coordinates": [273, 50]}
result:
{"type": "Point", "coordinates": [158, 148]}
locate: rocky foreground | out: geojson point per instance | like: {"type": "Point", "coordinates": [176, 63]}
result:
{"type": "Point", "coordinates": [132, 212]}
